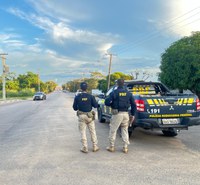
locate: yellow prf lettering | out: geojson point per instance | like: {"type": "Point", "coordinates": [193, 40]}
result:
{"type": "Point", "coordinates": [122, 94]}
{"type": "Point", "coordinates": [84, 99]}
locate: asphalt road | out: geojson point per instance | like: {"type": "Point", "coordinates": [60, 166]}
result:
{"type": "Point", "coordinates": [40, 142]}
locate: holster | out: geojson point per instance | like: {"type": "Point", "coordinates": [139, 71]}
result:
{"type": "Point", "coordinates": [80, 113]}
{"type": "Point", "coordinates": [90, 114]}
{"type": "Point", "coordinates": [115, 111]}
{"type": "Point", "coordinates": [93, 115]}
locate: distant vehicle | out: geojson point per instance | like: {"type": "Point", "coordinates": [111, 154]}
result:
{"type": "Point", "coordinates": [157, 107]}
{"type": "Point", "coordinates": [39, 96]}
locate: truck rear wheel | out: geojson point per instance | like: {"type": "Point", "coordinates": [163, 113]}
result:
{"type": "Point", "coordinates": [171, 132]}
{"type": "Point", "coordinates": [100, 116]}
{"type": "Point", "coordinates": [130, 133]}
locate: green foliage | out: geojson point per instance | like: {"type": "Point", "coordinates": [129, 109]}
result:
{"type": "Point", "coordinates": [117, 75]}
{"type": "Point", "coordinates": [102, 85]}
{"type": "Point", "coordinates": [180, 64]}
{"type": "Point", "coordinates": [97, 75]}
{"type": "Point", "coordinates": [92, 83]}
{"type": "Point", "coordinates": [22, 93]}
{"type": "Point", "coordinates": [96, 81]}
{"type": "Point", "coordinates": [29, 80]}
{"type": "Point", "coordinates": [51, 85]}
{"type": "Point", "coordinates": [25, 85]}
{"type": "Point", "coordinates": [74, 85]}
{"type": "Point", "coordinates": [48, 86]}
{"type": "Point", "coordinates": [12, 85]}
{"type": "Point", "coordinates": [113, 77]}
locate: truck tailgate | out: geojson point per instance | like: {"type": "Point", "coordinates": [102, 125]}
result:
{"type": "Point", "coordinates": [168, 107]}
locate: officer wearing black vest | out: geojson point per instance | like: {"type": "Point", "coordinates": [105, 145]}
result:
{"type": "Point", "coordinates": [83, 104]}
{"type": "Point", "coordinates": [120, 100]}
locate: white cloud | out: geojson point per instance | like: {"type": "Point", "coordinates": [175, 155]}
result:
{"type": "Point", "coordinates": [184, 17]}
{"type": "Point", "coordinates": [60, 32]}
{"type": "Point", "coordinates": [66, 47]}
{"type": "Point", "coordinates": [64, 11]}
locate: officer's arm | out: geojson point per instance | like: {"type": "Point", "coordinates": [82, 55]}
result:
{"type": "Point", "coordinates": [94, 102]}
{"type": "Point", "coordinates": [133, 106]}
{"type": "Point", "coordinates": [109, 99]}
{"type": "Point", "coordinates": [75, 104]}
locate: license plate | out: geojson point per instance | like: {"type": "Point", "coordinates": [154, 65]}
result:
{"type": "Point", "coordinates": [170, 121]}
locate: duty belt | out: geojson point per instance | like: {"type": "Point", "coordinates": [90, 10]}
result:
{"type": "Point", "coordinates": [90, 114]}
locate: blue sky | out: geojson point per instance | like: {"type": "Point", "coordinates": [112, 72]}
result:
{"type": "Point", "coordinates": [66, 39]}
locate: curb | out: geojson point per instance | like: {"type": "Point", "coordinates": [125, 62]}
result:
{"type": "Point", "coordinates": [9, 101]}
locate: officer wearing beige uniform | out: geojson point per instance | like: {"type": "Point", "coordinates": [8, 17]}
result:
{"type": "Point", "coordinates": [83, 104]}
{"type": "Point", "coordinates": [120, 100]}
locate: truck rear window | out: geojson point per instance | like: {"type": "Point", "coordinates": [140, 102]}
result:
{"type": "Point", "coordinates": [145, 89]}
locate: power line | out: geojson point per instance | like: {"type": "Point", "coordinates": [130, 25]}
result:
{"type": "Point", "coordinates": [171, 23]}
{"type": "Point", "coordinates": [139, 43]}
{"type": "Point", "coordinates": [156, 32]}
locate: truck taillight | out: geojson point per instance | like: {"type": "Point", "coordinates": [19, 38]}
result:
{"type": "Point", "coordinates": [198, 104]}
{"type": "Point", "coordinates": [140, 105]}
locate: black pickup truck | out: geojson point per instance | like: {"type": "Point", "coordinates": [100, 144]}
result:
{"type": "Point", "coordinates": [157, 107]}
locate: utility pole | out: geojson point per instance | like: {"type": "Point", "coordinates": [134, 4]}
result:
{"type": "Point", "coordinates": [5, 70]}
{"type": "Point", "coordinates": [109, 68]}
{"type": "Point", "coordinates": [38, 80]}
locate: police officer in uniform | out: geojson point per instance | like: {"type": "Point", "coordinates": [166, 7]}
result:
{"type": "Point", "coordinates": [120, 100]}
{"type": "Point", "coordinates": [83, 104]}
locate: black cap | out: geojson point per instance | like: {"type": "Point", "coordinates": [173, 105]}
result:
{"type": "Point", "coordinates": [83, 86]}
{"type": "Point", "coordinates": [120, 82]}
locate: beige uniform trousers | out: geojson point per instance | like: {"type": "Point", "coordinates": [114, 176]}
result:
{"type": "Point", "coordinates": [120, 119]}
{"type": "Point", "coordinates": [85, 122]}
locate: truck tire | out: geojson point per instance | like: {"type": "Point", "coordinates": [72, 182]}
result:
{"type": "Point", "coordinates": [171, 132]}
{"type": "Point", "coordinates": [100, 116]}
{"type": "Point", "coordinates": [130, 133]}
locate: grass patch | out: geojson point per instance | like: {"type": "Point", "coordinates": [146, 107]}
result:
{"type": "Point", "coordinates": [23, 94]}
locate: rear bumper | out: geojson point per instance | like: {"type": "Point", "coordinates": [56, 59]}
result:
{"type": "Point", "coordinates": [144, 120]}
{"type": "Point", "coordinates": [155, 123]}
{"type": "Point", "coordinates": [38, 98]}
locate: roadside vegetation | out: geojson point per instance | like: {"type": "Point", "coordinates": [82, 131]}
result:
{"type": "Point", "coordinates": [25, 85]}
{"type": "Point", "coordinates": [96, 81]}
{"type": "Point", "coordinates": [180, 64]}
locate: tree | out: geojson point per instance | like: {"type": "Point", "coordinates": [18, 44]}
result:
{"type": "Point", "coordinates": [102, 85]}
{"type": "Point", "coordinates": [50, 85]}
{"type": "Point", "coordinates": [113, 77]}
{"type": "Point", "coordinates": [97, 75]}
{"type": "Point", "coordinates": [180, 64]}
{"type": "Point", "coordinates": [73, 85]}
{"type": "Point", "coordinates": [11, 81]}
{"type": "Point", "coordinates": [92, 83]}
{"type": "Point", "coordinates": [12, 85]}
{"type": "Point", "coordinates": [28, 80]}
{"type": "Point", "coordinates": [117, 75]}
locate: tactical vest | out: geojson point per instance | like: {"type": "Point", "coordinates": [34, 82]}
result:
{"type": "Point", "coordinates": [84, 102]}
{"type": "Point", "coordinates": [121, 100]}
